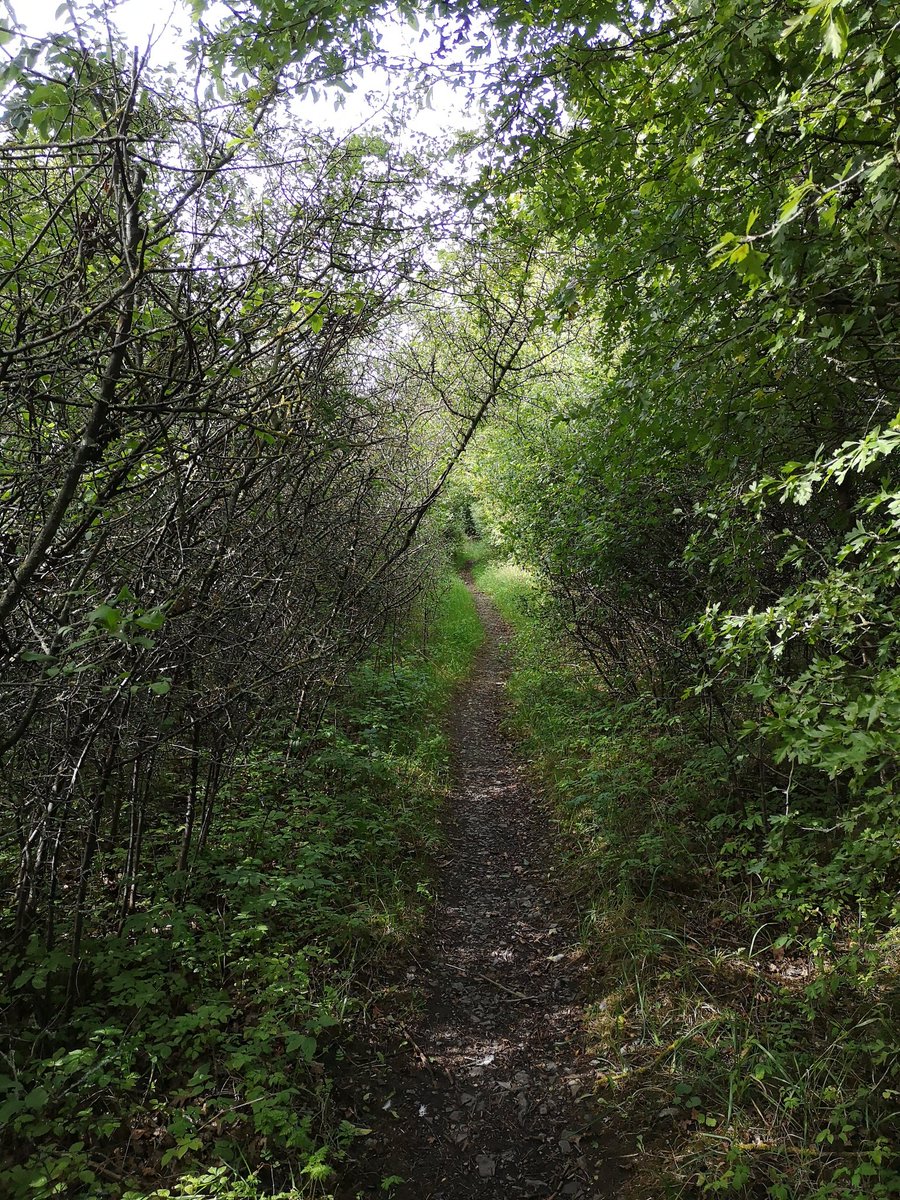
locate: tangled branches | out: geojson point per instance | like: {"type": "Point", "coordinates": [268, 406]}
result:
{"type": "Point", "coordinates": [210, 469]}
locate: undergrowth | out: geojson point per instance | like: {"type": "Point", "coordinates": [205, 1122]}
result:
{"type": "Point", "coordinates": [471, 552]}
{"type": "Point", "coordinates": [196, 1060]}
{"type": "Point", "coordinates": [744, 1053]}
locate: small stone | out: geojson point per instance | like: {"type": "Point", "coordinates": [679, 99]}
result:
{"type": "Point", "coordinates": [486, 1166]}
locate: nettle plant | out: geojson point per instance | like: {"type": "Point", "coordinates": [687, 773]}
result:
{"type": "Point", "coordinates": [822, 670]}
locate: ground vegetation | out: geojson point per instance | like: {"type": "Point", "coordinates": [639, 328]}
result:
{"type": "Point", "coordinates": [260, 382]}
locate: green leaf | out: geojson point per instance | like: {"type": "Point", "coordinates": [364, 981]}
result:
{"type": "Point", "coordinates": [302, 1042]}
{"type": "Point", "coordinates": [37, 1099]}
{"type": "Point", "coordinates": [752, 265]}
{"type": "Point", "coordinates": [153, 619]}
{"type": "Point", "coordinates": [106, 615]}
{"type": "Point", "coordinates": [837, 33]}
{"type": "Point", "coordinates": [878, 169]}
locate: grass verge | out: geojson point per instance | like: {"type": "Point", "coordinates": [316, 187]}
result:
{"type": "Point", "coordinates": [198, 1055]}
{"type": "Point", "coordinates": [739, 1061]}
{"type": "Point", "coordinates": [470, 553]}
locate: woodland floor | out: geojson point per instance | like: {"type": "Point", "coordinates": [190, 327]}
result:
{"type": "Point", "coordinates": [482, 1090]}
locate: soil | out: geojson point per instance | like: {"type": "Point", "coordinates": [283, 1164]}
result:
{"type": "Point", "coordinates": [485, 1092]}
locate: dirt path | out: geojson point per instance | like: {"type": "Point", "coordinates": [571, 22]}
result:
{"type": "Point", "coordinates": [477, 1097]}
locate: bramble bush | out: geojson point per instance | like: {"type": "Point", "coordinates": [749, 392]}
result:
{"type": "Point", "coordinates": [209, 1021]}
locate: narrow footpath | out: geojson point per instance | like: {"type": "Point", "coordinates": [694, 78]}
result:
{"type": "Point", "coordinates": [486, 1093]}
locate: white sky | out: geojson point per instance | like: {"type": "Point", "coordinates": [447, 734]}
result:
{"type": "Point", "coordinates": [168, 24]}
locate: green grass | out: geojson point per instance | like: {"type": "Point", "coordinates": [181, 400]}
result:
{"type": "Point", "coordinates": [471, 552]}
{"type": "Point", "coordinates": [197, 1061]}
{"type": "Point", "coordinates": [511, 588]}
{"type": "Point", "coordinates": [453, 638]}
{"type": "Point", "coordinates": [736, 1067]}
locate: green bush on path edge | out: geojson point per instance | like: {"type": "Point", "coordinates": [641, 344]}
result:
{"type": "Point", "coordinates": [198, 1056]}
{"type": "Point", "coordinates": [738, 1053]}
